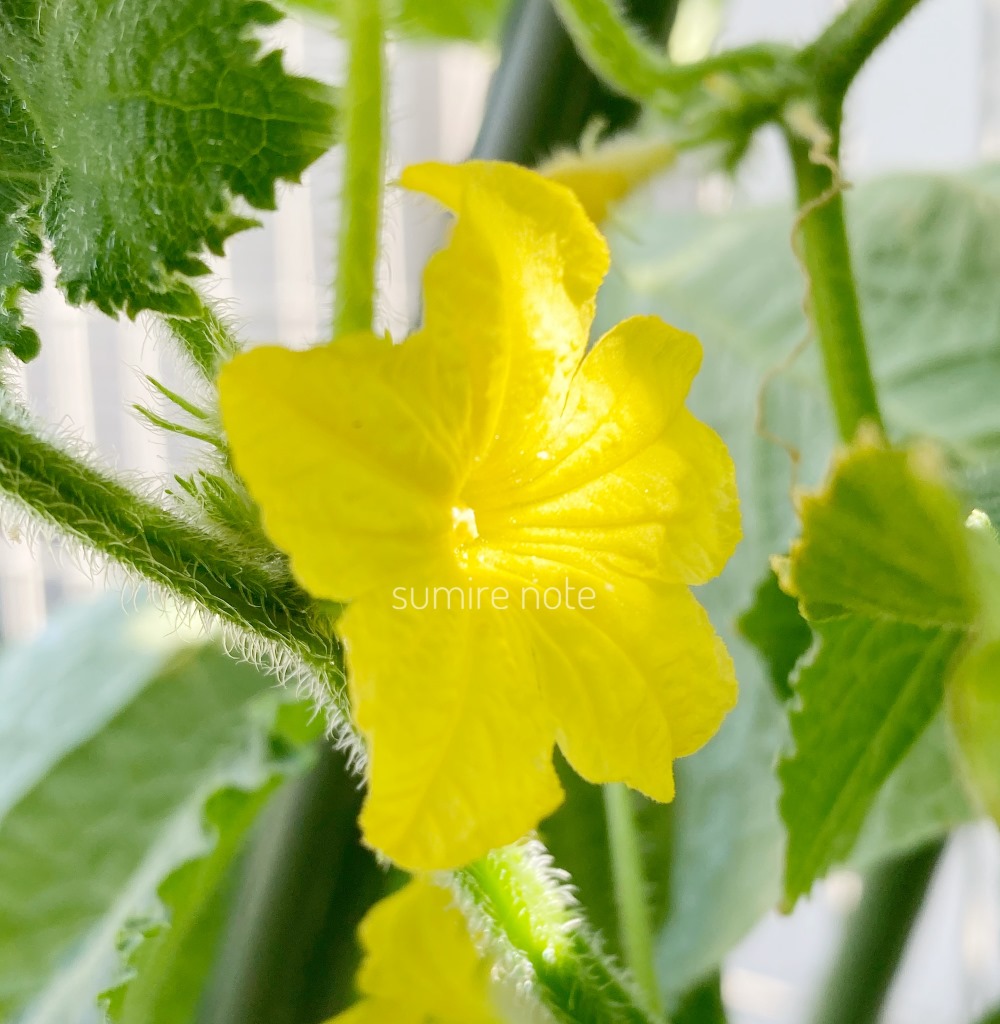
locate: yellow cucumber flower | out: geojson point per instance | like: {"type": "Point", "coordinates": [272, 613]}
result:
{"type": "Point", "coordinates": [513, 523]}
{"type": "Point", "coordinates": [420, 965]}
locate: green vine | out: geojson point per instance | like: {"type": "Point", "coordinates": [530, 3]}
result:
{"type": "Point", "coordinates": [364, 163]}
{"type": "Point", "coordinates": [105, 516]}
{"type": "Point", "coordinates": [535, 930]}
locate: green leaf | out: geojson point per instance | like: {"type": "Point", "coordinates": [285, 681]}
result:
{"type": "Point", "coordinates": [927, 253]}
{"type": "Point", "coordinates": [884, 538]}
{"type": "Point", "coordinates": [871, 690]}
{"type": "Point", "coordinates": [168, 956]}
{"type": "Point", "coordinates": [144, 120]}
{"type": "Point", "coordinates": [775, 627]}
{"type": "Point", "coordinates": [23, 167]}
{"type": "Point", "coordinates": [125, 731]}
{"type": "Point", "coordinates": [476, 20]}
{"type": "Point", "coordinates": [703, 1004]}
{"type": "Point", "coordinates": [923, 800]}
{"type": "Point", "coordinates": [974, 711]}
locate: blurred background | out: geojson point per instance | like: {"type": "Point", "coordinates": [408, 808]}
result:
{"type": "Point", "coordinates": [930, 100]}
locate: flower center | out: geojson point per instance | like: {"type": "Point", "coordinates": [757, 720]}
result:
{"type": "Point", "coordinates": [463, 523]}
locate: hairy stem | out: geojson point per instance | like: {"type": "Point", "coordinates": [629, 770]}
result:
{"type": "Point", "coordinates": [104, 515]}
{"type": "Point", "coordinates": [619, 54]}
{"type": "Point", "coordinates": [364, 163]}
{"type": "Point", "coordinates": [832, 295]}
{"type": "Point", "coordinates": [536, 932]}
{"type": "Point", "coordinates": [204, 339]}
{"type": "Point", "coordinates": [630, 891]}
{"type": "Point", "coordinates": [876, 938]}
{"type": "Point", "coordinates": [841, 50]}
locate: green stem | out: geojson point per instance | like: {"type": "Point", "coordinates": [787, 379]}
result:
{"type": "Point", "coordinates": [619, 54]}
{"type": "Point", "coordinates": [876, 938]}
{"type": "Point", "coordinates": [634, 924]}
{"type": "Point", "coordinates": [193, 564]}
{"type": "Point", "coordinates": [832, 296]}
{"type": "Point", "coordinates": [518, 903]}
{"type": "Point", "coordinates": [364, 164]}
{"type": "Point", "coordinates": [842, 49]}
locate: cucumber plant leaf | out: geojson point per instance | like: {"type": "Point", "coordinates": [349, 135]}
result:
{"type": "Point", "coordinates": [23, 170]}
{"type": "Point", "coordinates": [780, 634]}
{"type": "Point", "coordinates": [862, 702]}
{"type": "Point", "coordinates": [883, 539]}
{"type": "Point", "coordinates": [140, 728]}
{"type": "Point", "coordinates": [137, 125]}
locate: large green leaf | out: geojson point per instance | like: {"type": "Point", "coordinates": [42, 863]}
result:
{"type": "Point", "coordinates": [884, 568]}
{"type": "Point", "coordinates": [928, 256]}
{"type": "Point", "coordinates": [106, 803]}
{"type": "Point", "coordinates": [168, 954]}
{"type": "Point", "coordinates": [922, 800]}
{"type": "Point", "coordinates": [862, 702]}
{"type": "Point", "coordinates": [140, 121]}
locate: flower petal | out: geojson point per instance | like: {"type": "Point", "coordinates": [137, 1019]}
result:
{"type": "Point", "coordinates": [603, 175]}
{"type": "Point", "coordinates": [354, 452]}
{"type": "Point", "coordinates": [460, 743]}
{"type": "Point", "coordinates": [632, 672]}
{"type": "Point", "coordinates": [420, 963]}
{"type": "Point", "coordinates": [630, 482]}
{"type": "Point", "coordinates": [516, 287]}
{"type": "Point", "coordinates": [636, 682]}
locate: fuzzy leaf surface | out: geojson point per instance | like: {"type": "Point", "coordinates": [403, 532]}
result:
{"type": "Point", "coordinates": [142, 121]}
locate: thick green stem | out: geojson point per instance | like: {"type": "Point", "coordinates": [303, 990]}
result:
{"type": "Point", "coordinates": [364, 165]}
{"type": "Point", "coordinates": [193, 564]}
{"type": "Point", "coordinates": [876, 938]}
{"type": "Point", "coordinates": [305, 887]}
{"type": "Point", "coordinates": [832, 295]}
{"type": "Point", "coordinates": [841, 50]}
{"type": "Point", "coordinates": [634, 926]}
{"type": "Point", "coordinates": [536, 932]}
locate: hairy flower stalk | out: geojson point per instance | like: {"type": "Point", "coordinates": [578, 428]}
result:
{"type": "Point", "coordinates": [162, 548]}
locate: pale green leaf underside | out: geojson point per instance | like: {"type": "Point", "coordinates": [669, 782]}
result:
{"type": "Point", "coordinates": [113, 804]}
{"type": "Point", "coordinates": [145, 119]}
{"type": "Point", "coordinates": [928, 257]}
